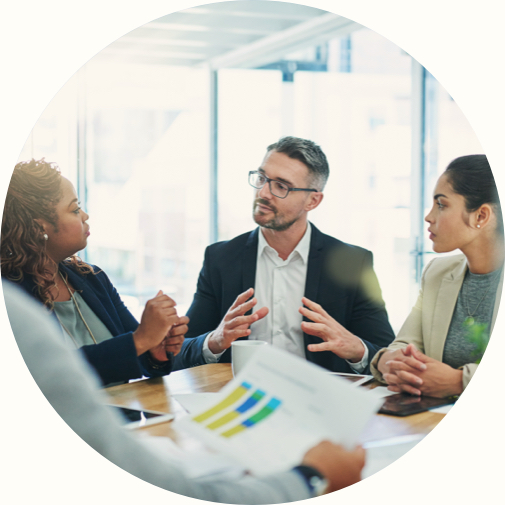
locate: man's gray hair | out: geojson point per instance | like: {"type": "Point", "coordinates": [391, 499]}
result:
{"type": "Point", "coordinates": [309, 153]}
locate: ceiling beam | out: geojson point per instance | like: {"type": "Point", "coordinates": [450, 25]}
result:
{"type": "Point", "coordinates": [274, 47]}
{"type": "Point", "coordinates": [184, 27]}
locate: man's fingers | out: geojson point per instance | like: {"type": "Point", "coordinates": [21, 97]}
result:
{"type": "Point", "coordinates": [242, 298]}
{"type": "Point", "coordinates": [310, 314]}
{"type": "Point", "coordinates": [315, 329]}
{"type": "Point", "coordinates": [241, 321]}
{"type": "Point", "coordinates": [313, 306]}
{"type": "Point", "coordinates": [240, 309]}
{"type": "Point", "coordinates": [233, 335]}
{"type": "Point", "coordinates": [261, 313]}
{"type": "Point", "coordinates": [323, 346]}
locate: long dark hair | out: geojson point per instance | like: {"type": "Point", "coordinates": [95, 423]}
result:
{"type": "Point", "coordinates": [34, 192]}
{"type": "Point", "coordinates": [471, 177]}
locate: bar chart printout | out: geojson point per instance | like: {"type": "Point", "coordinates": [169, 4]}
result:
{"type": "Point", "coordinates": [242, 409]}
{"type": "Point", "coordinates": [277, 408]}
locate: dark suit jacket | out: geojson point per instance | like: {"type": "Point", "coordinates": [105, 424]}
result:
{"type": "Point", "coordinates": [116, 359]}
{"type": "Point", "coordinates": [340, 277]}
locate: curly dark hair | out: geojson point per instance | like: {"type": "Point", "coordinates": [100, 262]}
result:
{"type": "Point", "coordinates": [34, 191]}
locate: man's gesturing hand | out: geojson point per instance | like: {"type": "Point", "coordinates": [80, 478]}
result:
{"type": "Point", "coordinates": [336, 338]}
{"type": "Point", "coordinates": [235, 324]}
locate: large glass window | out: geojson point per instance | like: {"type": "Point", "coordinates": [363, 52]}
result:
{"type": "Point", "coordinates": [360, 115]}
{"type": "Point", "coordinates": [135, 138]}
{"type": "Point", "coordinates": [55, 135]}
{"type": "Point", "coordinates": [448, 135]}
{"type": "Point", "coordinates": [147, 175]}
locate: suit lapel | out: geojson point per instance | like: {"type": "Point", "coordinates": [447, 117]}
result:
{"type": "Point", "coordinates": [444, 309]}
{"type": "Point", "coordinates": [312, 281]}
{"type": "Point", "coordinates": [248, 263]}
{"type": "Point", "coordinates": [314, 264]}
{"type": "Point", "coordinates": [80, 283]}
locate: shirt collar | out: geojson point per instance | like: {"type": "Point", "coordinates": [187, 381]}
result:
{"type": "Point", "coordinates": [302, 248]}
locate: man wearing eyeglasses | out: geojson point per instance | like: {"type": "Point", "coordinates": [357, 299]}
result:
{"type": "Point", "coordinates": [312, 294]}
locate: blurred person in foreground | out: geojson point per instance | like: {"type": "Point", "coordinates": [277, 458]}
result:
{"type": "Point", "coordinates": [43, 227]}
{"type": "Point", "coordinates": [71, 386]}
{"type": "Point", "coordinates": [437, 349]}
{"type": "Point", "coordinates": [284, 263]}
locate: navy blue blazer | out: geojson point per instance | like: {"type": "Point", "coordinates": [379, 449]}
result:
{"type": "Point", "coordinates": [115, 360]}
{"type": "Point", "coordinates": [340, 277]}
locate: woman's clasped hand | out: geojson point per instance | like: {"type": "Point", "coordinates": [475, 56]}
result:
{"type": "Point", "coordinates": [409, 370]}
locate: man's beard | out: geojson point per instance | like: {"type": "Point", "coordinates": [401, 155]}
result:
{"type": "Point", "coordinates": [275, 223]}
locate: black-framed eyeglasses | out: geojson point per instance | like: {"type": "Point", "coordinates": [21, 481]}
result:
{"type": "Point", "coordinates": [279, 189]}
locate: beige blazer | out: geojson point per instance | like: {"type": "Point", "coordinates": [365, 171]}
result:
{"type": "Point", "coordinates": [428, 323]}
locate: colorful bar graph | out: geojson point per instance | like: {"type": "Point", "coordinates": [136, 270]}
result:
{"type": "Point", "coordinates": [244, 407]}
{"type": "Point", "coordinates": [251, 401]}
{"type": "Point", "coordinates": [229, 400]}
{"type": "Point", "coordinates": [233, 431]}
{"type": "Point", "coordinates": [267, 410]}
{"type": "Point", "coordinates": [223, 420]}
{"type": "Point", "coordinates": [263, 413]}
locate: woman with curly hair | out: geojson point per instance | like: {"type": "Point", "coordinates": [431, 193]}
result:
{"type": "Point", "coordinates": [43, 227]}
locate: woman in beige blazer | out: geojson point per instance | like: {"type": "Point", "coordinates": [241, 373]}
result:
{"type": "Point", "coordinates": [431, 354]}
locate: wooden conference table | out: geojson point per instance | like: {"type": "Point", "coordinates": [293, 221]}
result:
{"type": "Point", "coordinates": [155, 394]}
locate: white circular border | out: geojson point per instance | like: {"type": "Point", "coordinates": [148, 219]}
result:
{"type": "Point", "coordinates": [44, 43]}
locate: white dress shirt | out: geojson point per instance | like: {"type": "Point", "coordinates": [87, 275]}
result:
{"type": "Point", "coordinates": [280, 286]}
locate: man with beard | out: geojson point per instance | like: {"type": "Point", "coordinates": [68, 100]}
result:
{"type": "Point", "coordinates": [319, 298]}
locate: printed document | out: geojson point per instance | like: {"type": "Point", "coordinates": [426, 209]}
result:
{"type": "Point", "coordinates": [277, 408]}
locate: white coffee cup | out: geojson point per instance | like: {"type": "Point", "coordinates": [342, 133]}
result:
{"type": "Point", "coordinates": [241, 353]}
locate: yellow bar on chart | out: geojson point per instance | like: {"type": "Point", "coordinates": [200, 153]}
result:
{"type": "Point", "coordinates": [223, 420]}
{"type": "Point", "coordinates": [229, 400]}
{"type": "Point", "coordinates": [234, 431]}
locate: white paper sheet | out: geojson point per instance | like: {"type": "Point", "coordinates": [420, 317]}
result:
{"type": "Point", "coordinates": [199, 464]}
{"type": "Point", "coordinates": [277, 408]}
{"type": "Point", "coordinates": [381, 454]}
{"type": "Point", "coordinates": [195, 402]}
{"type": "Point", "coordinates": [381, 392]}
